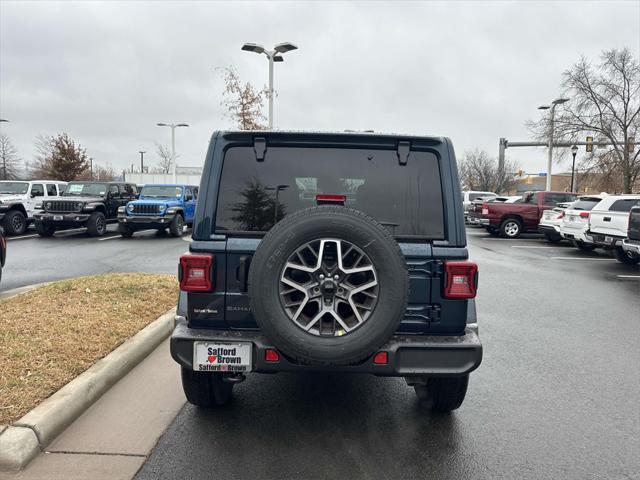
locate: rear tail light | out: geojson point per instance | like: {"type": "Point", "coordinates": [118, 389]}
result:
{"type": "Point", "coordinates": [485, 209]}
{"type": "Point", "coordinates": [330, 198]}
{"type": "Point", "coordinates": [460, 279]}
{"type": "Point", "coordinates": [561, 215]}
{"type": "Point", "coordinates": [584, 214]}
{"type": "Point", "coordinates": [196, 272]}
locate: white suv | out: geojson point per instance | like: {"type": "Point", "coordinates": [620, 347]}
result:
{"type": "Point", "coordinates": [575, 221]}
{"type": "Point", "coordinates": [608, 223]}
{"type": "Point", "coordinates": [18, 200]}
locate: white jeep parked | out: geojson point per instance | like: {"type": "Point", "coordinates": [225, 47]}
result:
{"type": "Point", "coordinates": [18, 200]}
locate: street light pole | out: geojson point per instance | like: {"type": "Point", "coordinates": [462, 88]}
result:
{"type": "Point", "coordinates": [574, 150]}
{"type": "Point", "coordinates": [556, 102]}
{"type": "Point", "coordinates": [141, 152]}
{"type": "Point", "coordinates": [274, 55]}
{"type": "Point", "coordinates": [173, 127]}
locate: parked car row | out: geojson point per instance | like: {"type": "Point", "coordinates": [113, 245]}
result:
{"type": "Point", "coordinates": [53, 206]}
{"type": "Point", "coordinates": [610, 222]}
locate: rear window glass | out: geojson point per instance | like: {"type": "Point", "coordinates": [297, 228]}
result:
{"type": "Point", "coordinates": [584, 204]}
{"type": "Point", "coordinates": [407, 199]}
{"type": "Point", "coordinates": [624, 205]}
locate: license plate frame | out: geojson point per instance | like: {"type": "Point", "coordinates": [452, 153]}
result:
{"type": "Point", "coordinates": [608, 239]}
{"type": "Point", "coordinates": [210, 356]}
{"type": "Point", "coordinates": [58, 218]}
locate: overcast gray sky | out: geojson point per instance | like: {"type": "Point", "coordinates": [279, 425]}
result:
{"type": "Point", "coordinates": [107, 72]}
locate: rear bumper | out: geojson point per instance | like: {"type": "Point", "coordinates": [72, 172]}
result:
{"type": "Point", "coordinates": [419, 355]}
{"type": "Point", "coordinates": [549, 230]}
{"type": "Point", "coordinates": [479, 221]}
{"type": "Point", "coordinates": [606, 241]}
{"type": "Point", "coordinates": [633, 246]}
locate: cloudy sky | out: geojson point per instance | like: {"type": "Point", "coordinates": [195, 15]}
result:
{"type": "Point", "coordinates": [107, 72]}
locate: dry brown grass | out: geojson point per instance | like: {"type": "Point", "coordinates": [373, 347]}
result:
{"type": "Point", "coordinates": [53, 333]}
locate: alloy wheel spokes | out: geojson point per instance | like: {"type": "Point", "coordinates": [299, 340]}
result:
{"type": "Point", "coordinates": [328, 287]}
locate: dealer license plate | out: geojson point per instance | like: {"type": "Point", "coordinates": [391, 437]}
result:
{"type": "Point", "coordinates": [57, 218]}
{"type": "Point", "coordinates": [222, 357]}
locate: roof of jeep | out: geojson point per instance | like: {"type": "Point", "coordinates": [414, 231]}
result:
{"type": "Point", "coordinates": [326, 135]}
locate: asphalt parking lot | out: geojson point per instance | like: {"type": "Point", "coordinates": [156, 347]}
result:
{"type": "Point", "coordinates": [556, 395]}
{"type": "Point", "coordinates": [72, 253]}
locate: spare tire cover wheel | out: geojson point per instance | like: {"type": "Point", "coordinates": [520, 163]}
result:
{"type": "Point", "coordinates": [328, 285]}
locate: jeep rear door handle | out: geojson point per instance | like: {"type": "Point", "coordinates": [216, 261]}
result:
{"type": "Point", "coordinates": [243, 271]}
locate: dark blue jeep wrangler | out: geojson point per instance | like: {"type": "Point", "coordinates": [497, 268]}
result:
{"type": "Point", "coordinates": [328, 252]}
{"type": "Point", "coordinates": [159, 207]}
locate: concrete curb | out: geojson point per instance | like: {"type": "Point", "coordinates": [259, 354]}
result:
{"type": "Point", "coordinates": [23, 440]}
{"type": "Point", "coordinates": [14, 292]}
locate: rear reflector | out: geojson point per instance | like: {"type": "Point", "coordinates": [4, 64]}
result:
{"type": "Point", "coordinates": [584, 214]}
{"type": "Point", "coordinates": [460, 279]}
{"type": "Point", "coordinates": [330, 198]}
{"type": "Point", "coordinates": [196, 273]}
{"type": "Point", "coordinates": [271, 355]}
{"type": "Point", "coordinates": [381, 358]}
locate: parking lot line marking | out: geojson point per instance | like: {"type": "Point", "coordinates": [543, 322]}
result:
{"type": "Point", "coordinates": [628, 276]}
{"type": "Point", "coordinates": [109, 238]}
{"type": "Point", "coordinates": [23, 237]}
{"type": "Point", "coordinates": [531, 246]}
{"type": "Point", "coordinates": [585, 258]}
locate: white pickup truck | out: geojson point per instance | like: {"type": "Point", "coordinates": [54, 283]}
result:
{"type": "Point", "coordinates": [608, 224]}
{"type": "Point", "coordinates": [18, 200]}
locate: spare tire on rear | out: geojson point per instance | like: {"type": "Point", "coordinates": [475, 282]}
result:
{"type": "Point", "coordinates": [328, 285]}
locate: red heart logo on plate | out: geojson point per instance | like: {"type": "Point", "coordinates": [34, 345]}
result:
{"type": "Point", "coordinates": [211, 358]}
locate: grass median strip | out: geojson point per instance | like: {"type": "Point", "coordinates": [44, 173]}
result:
{"type": "Point", "coordinates": [50, 335]}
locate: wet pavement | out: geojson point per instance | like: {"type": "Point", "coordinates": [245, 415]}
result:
{"type": "Point", "coordinates": [556, 396]}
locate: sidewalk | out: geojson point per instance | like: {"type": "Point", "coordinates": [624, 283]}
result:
{"type": "Point", "coordinates": [112, 439]}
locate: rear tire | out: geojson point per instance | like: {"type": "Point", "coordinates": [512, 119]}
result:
{"type": "Point", "coordinates": [553, 238]}
{"type": "Point", "coordinates": [582, 246]}
{"type": "Point", "coordinates": [15, 223]}
{"type": "Point", "coordinates": [177, 226]}
{"type": "Point", "coordinates": [442, 394]}
{"type": "Point", "coordinates": [45, 229]}
{"type": "Point", "coordinates": [511, 228]}
{"type": "Point", "coordinates": [97, 224]}
{"type": "Point", "coordinates": [125, 230]}
{"type": "Point", "coordinates": [206, 389]}
{"type": "Point", "coordinates": [628, 258]}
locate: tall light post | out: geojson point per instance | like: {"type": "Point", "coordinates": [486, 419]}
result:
{"type": "Point", "coordinates": [274, 55]}
{"type": "Point", "coordinates": [557, 101]}
{"type": "Point", "coordinates": [142, 152]}
{"type": "Point", "coordinates": [277, 189]}
{"type": "Point", "coordinates": [574, 150]}
{"type": "Point", "coordinates": [173, 127]}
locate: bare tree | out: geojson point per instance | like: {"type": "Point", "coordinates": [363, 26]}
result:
{"type": "Point", "coordinates": [59, 158]}
{"type": "Point", "coordinates": [165, 161]}
{"type": "Point", "coordinates": [242, 101]}
{"type": "Point", "coordinates": [479, 171]}
{"type": "Point", "coordinates": [8, 159]}
{"type": "Point", "coordinates": [100, 173]}
{"type": "Point", "coordinates": [604, 102]}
